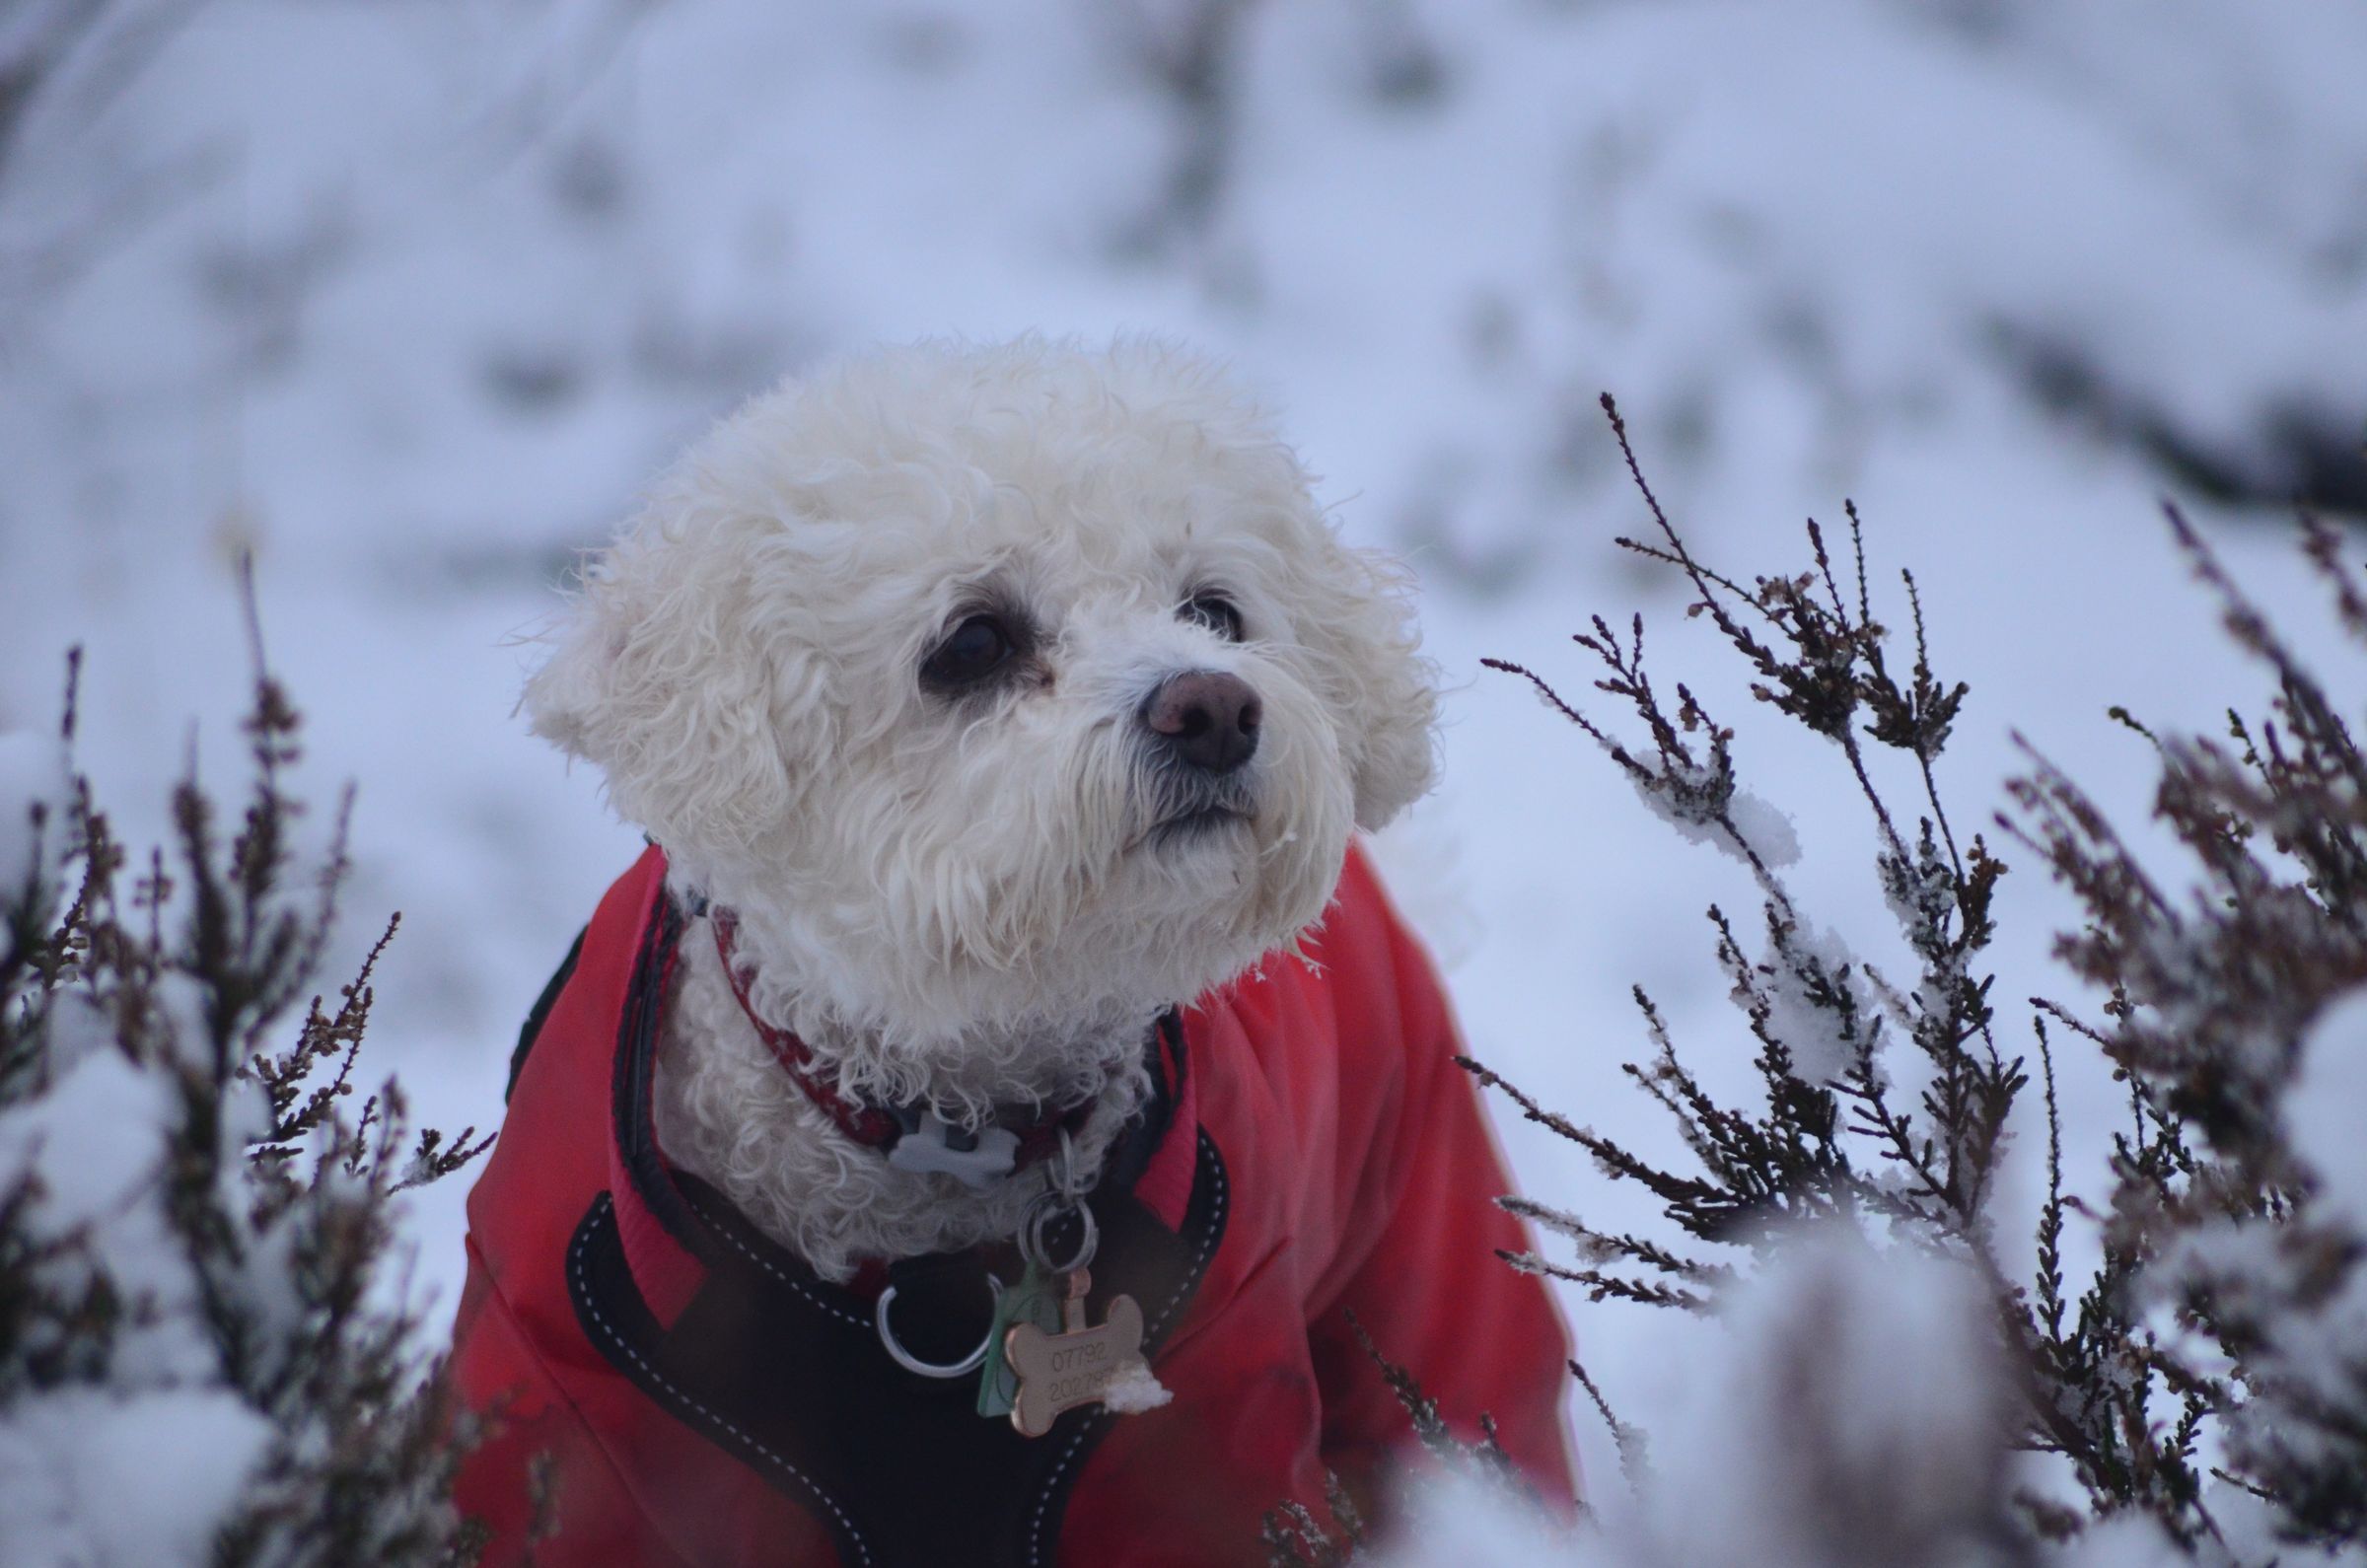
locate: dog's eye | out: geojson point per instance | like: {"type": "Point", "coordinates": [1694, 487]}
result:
{"type": "Point", "coordinates": [976, 650]}
{"type": "Point", "coordinates": [1216, 612]}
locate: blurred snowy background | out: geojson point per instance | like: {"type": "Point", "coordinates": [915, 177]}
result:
{"type": "Point", "coordinates": [407, 297]}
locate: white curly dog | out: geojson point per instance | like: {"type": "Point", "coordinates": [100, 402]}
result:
{"type": "Point", "coordinates": [1007, 695]}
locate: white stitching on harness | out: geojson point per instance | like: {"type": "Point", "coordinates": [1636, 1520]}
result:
{"type": "Point", "coordinates": [1216, 1225]}
{"type": "Point", "coordinates": [1044, 1503]}
{"type": "Point", "coordinates": [615, 1338]}
{"type": "Point", "coordinates": [749, 1253]}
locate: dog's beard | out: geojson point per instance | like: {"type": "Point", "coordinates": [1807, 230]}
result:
{"type": "Point", "coordinates": [1182, 807]}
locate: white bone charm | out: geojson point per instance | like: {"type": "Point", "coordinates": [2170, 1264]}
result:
{"type": "Point", "coordinates": [933, 1144]}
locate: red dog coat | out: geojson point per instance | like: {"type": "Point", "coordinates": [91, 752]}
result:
{"type": "Point", "coordinates": [704, 1399]}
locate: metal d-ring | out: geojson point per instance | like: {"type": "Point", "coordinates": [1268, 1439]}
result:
{"type": "Point", "coordinates": [1045, 1211]}
{"type": "Point", "coordinates": [934, 1369]}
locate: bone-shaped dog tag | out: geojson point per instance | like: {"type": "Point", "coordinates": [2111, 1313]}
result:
{"type": "Point", "coordinates": [1059, 1371]}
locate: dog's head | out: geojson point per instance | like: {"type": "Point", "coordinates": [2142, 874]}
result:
{"type": "Point", "coordinates": [998, 685]}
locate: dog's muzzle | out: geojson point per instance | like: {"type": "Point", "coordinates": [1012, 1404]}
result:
{"type": "Point", "coordinates": [1199, 728]}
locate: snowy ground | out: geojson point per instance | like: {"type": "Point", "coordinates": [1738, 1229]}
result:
{"type": "Point", "coordinates": [407, 299]}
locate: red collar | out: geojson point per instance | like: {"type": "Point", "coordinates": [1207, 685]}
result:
{"type": "Point", "coordinates": [877, 1127]}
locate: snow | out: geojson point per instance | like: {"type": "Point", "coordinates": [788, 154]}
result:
{"type": "Point", "coordinates": [1872, 1461]}
{"type": "Point", "coordinates": [1844, 1410]}
{"type": "Point", "coordinates": [138, 1472]}
{"type": "Point", "coordinates": [1135, 1389]}
{"type": "Point", "coordinates": [107, 1186]}
{"type": "Point", "coordinates": [2312, 1322]}
{"type": "Point", "coordinates": [2132, 1541]}
{"type": "Point", "coordinates": [91, 1478]}
{"type": "Point", "coordinates": [2322, 1110]}
{"type": "Point", "coordinates": [406, 301]}
{"type": "Point", "coordinates": [1823, 1052]}
{"type": "Point", "coordinates": [103, 1088]}
{"type": "Point", "coordinates": [1458, 1519]}
{"type": "Point", "coordinates": [1766, 830]}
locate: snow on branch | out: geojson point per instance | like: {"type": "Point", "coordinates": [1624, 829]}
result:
{"type": "Point", "coordinates": [192, 1227]}
{"type": "Point", "coordinates": [2200, 1391]}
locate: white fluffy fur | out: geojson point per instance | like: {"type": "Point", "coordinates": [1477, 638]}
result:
{"type": "Point", "coordinates": [960, 901]}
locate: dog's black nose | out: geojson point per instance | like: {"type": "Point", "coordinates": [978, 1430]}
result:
{"type": "Point", "coordinates": [1207, 719]}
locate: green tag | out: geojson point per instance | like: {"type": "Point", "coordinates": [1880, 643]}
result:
{"type": "Point", "coordinates": [1031, 1301]}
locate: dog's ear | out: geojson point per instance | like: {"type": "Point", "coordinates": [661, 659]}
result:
{"type": "Point", "coordinates": [660, 677]}
{"type": "Point", "coordinates": [1356, 615]}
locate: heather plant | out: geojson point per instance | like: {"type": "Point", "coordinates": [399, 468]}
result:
{"type": "Point", "coordinates": [202, 1358]}
{"type": "Point", "coordinates": [1910, 1378]}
